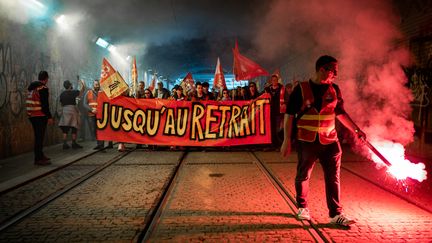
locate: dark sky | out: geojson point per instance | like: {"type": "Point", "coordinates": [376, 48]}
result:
{"type": "Point", "coordinates": [173, 35]}
{"type": "Point", "coordinates": [177, 36]}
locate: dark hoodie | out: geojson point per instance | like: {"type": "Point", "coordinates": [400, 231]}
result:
{"type": "Point", "coordinates": [44, 96]}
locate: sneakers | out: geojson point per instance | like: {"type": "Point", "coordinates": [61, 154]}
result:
{"type": "Point", "coordinates": [303, 214]}
{"type": "Point", "coordinates": [342, 220]}
{"type": "Point", "coordinates": [121, 147]}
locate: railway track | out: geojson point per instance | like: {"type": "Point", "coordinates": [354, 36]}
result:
{"type": "Point", "coordinates": [152, 219]}
{"type": "Point", "coordinates": [20, 212]}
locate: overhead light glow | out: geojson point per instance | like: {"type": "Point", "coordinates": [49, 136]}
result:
{"type": "Point", "coordinates": [37, 3]}
{"type": "Point", "coordinates": [34, 8]}
{"type": "Point", "coordinates": [102, 43]}
{"type": "Point", "coordinates": [111, 48]}
{"type": "Point", "coordinates": [60, 20]}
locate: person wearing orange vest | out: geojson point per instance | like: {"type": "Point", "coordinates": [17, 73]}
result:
{"type": "Point", "coordinates": [90, 104]}
{"type": "Point", "coordinates": [315, 104]}
{"type": "Point", "coordinates": [277, 109]}
{"type": "Point", "coordinates": [37, 106]}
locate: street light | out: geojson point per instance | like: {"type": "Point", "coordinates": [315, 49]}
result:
{"type": "Point", "coordinates": [102, 43]}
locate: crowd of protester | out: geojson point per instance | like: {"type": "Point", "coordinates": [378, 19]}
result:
{"type": "Point", "coordinates": [80, 108]}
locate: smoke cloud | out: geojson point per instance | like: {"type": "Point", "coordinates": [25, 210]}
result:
{"type": "Point", "coordinates": [361, 35]}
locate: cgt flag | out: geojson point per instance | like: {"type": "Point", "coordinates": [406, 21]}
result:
{"type": "Point", "coordinates": [219, 79]}
{"type": "Point", "coordinates": [111, 82]}
{"type": "Point", "coordinates": [187, 83]}
{"type": "Point", "coordinates": [244, 68]}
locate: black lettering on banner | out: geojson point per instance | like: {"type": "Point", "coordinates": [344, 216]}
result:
{"type": "Point", "coordinates": [113, 86]}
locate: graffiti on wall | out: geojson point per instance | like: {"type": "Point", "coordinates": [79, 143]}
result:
{"type": "Point", "coordinates": [16, 75]}
{"type": "Point", "coordinates": [420, 85]}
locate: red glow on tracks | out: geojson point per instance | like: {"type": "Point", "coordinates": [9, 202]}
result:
{"type": "Point", "coordinates": [401, 168]}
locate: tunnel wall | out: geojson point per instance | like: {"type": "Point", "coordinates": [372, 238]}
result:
{"type": "Point", "coordinates": [25, 50]}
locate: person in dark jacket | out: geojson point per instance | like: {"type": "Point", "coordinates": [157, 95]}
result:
{"type": "Point", "coordinates": [37, 106]}
{"type": "Point", "coordinates": [70, 119]}
{"type": "Point", "coordinates": [161, 92]}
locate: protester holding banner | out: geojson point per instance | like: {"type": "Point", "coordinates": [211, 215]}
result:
{"type": "Point", "coordinates": [276, 117]}
{"type": "Point", "coordinates": [253, 92]}
{"type": "Point", "coordinates": [206, 91]}
{"type": "Point", "coordinates": [161, 92]}
{"type": "Point", "coordinates": [148, 94]}
{"type": "Point", "coordinates": [179, 95]}
{"type": "Point", "coordinates": [225, 95]}
{"type": "Point", "coordinates": [199, 94]}
{"type": "Point", "coordinates": [90, 103]}
{"type": "Point", "coordinates": [139, 94]}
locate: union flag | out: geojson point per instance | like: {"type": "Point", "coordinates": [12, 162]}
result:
{"type": "Point", "coordinates": [244, 68]}
{"type": "Point", "coordinates": [219, 78]}
{"type": "Point", "coordinates": [111, 82]}
{"type": "Point", "coordinates": [187, 83]}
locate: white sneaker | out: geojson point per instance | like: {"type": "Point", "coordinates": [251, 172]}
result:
{"type": "Point", "coordinates": [303, 214]}
{"type": "Point", "coordinates": [342, 220]}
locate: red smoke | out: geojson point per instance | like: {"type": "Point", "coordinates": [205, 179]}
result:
{"type": "Point", "coordinates": [362, 35]}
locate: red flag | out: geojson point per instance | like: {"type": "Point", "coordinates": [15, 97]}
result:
{"type": "Point", "coordinates": [219, 78]}
{"type": "Point", "coordinates": [153, 83]}
{"type": "Point", "coordinates": [244, 68]}
{"type": "Point", "coordinates": [134, 74]}
{"type": "Point", "coordinates": [111, 82]}
{"type": "Point", "coordinates": [187, 83]}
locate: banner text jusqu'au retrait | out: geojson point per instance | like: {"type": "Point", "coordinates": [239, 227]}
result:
{"type": "Point", "coordinates": [183, 123]}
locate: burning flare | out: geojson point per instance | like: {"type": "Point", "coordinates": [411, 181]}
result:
{"type": "Point", "coordinates": [400, 167]}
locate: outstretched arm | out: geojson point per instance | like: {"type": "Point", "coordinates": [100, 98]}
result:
{"type": "Point", "coordinates": [346, 120]}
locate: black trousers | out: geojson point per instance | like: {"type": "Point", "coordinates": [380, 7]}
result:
{"type": "Point", "coordinates": [330, 159]}
{"type": "Point", "coordinates": [39, 124]}
{"type": "Point", "coordinates": [93, 126]}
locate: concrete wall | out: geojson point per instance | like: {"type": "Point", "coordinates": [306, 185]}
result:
{"type": "Point", "coordinates": [26, 49]}
{"type": "Point", "coordinates": [416, 20]}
